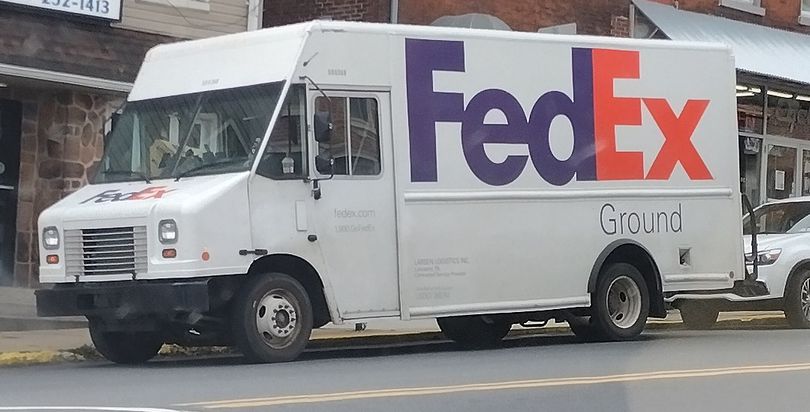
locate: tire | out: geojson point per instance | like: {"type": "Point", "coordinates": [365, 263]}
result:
{"type": "Point", "coordinates": [797, 300]}
{"type": "Point", "coordinates": [271, 318]}
{"type": "Point", "coordinates": [473, 332]}
{"type": "Point", "coordinates": [698, 314]}
{"type": "Point", "coordinates": [620, 304]}
{"type": "Point", "coordinates": [126, 348]}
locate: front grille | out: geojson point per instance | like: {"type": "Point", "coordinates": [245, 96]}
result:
{"type": "Point", "coordinates": [107, 251]}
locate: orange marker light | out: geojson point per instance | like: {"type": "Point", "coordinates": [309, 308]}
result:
{"type": "Point", "coordinates": [169, 253]}
{"type": "Point", "coordinates": [52, 259]}
{"type": "Point", "coordinates": [205, 256]}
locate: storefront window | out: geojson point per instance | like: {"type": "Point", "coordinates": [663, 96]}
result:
{"type": "Point", "coordinates": [805, 172]}
{"type": "Point", "coordinates": [750, 108]}
{"type": "Point", "coordinates": [788, 114]}
{"type": "Point", "coordinates": [781, 169]}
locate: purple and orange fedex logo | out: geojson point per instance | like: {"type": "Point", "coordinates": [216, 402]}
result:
{"type": "Point", "coordinates": [593, 111]}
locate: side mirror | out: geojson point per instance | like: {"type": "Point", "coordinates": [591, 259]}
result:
{"type": "Point", "coordinates": [325, 166]}
{"type": "Point", "coordinates": [323, 127]}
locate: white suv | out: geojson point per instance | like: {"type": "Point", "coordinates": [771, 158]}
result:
{"type": "Point", "coordinates": [784, 266]}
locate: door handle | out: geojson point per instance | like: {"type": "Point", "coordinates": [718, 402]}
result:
{"type": "Point", "coordinates": [4, 187]}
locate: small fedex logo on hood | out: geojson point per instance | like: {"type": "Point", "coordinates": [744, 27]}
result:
{"type": "Point", "coordinates": [116, 195]}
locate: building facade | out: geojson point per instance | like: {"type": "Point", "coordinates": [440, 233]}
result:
{"type": "Point", "coordinates": [64, 69]}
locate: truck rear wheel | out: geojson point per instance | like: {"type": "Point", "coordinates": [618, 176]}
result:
{"type": "Point", "coordinates": [620, 304]}
{"type": "Point", "coordinates": [473, 332]}
{"type": "Point", "coordinates": [126, 348]}
{"type": "Point", "coordinates": [697, 314]}
{"type": "Point", "coordinates": [272, 318]}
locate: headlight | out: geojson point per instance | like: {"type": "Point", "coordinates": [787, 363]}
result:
{"type": "Point", "coordinates": [766, 257]}
{"type": "Point", "coordinates": [167, 231]}
{"type": "Point", "coordinates": [50, 238]}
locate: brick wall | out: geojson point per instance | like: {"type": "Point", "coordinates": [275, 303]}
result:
{"type": "Point", "coordinates": [591, 16]}
{"type": "Point", "coordinates": [281, 12]}
{"type": "Point", "coordinates": [61, 143]}
{"type": "Point", "coordinates": [783, 14]}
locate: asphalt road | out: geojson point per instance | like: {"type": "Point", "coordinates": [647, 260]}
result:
{"type": "Point", "coordinates": [747, 370]}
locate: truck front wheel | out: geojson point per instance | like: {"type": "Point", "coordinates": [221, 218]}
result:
{"type": "Point", "coordinates": [473, 332]}
{"type": "Point", "coordinates": [126, 348]}
{"type": "Point", "coordinates": [272, 318]}
{"type": "Point", "coordinates": [620, 304]}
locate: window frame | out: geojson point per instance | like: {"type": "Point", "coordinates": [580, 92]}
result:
{"type": "Point", "coordinates": [304, 138]}
{"type": "Point", "coordinates": [804, 15]}
{"type": "Point", "coordinates": [753, 7]}
{"type": "Point", "coordinates": [381, 144]}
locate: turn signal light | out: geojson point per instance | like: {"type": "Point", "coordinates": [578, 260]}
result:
{"type": "Point", "coordinates": [52, 259]}
{"type": "Point", "coordinates": [169, 253]}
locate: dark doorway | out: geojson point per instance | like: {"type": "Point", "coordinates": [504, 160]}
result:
{"type": "Point", "coordinates": [10, 133]}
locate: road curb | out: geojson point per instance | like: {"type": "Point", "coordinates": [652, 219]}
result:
{"type": "Point", "coordinates": [86, 353]}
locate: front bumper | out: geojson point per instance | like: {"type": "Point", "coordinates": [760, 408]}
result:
{"type": "Point", "coordinates": [122, 300]}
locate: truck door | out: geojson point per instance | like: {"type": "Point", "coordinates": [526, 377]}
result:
{"type": "Point", "coordinates": [355, 216]}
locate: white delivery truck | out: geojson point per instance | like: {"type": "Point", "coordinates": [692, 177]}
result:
{"type": "Point", "coordinates": [261, 184]}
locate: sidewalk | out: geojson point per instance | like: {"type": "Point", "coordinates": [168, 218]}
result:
{"type": "Point", "coordinates": [18, 312]}
{"type": "Point", "coordinates": [69, 339]}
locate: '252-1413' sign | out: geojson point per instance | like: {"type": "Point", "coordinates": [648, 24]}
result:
{"type": "Point", "coordinates": [102, 9]}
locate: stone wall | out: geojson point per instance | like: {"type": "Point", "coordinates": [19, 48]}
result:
{"type": "Point", "coordinates": [61, 145]}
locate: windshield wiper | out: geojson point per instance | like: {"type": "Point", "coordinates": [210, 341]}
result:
{"type": "Point", "coordinates": [128, 173]}
{"type": "Point", "coordinates": [205, 166]}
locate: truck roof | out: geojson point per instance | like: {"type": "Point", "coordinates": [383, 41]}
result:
{"type": "Point", "coordinates": [300, 30]}
{"type": "Point", "coordinates": [273, 54]}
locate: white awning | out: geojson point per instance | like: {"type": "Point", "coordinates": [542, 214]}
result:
{"type": "Point", "coordinates": [757, 49]}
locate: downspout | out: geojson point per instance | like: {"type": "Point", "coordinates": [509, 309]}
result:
{"type": "Point", "coordinates": [632, 22]}
{"type": "Point", "coordinates": [394, 11]}
{"type": "Point", "coordinates": [254, 14]}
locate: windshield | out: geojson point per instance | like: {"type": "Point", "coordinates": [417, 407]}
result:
{"type": "Point", "coordinates": [200, 133]}
{"type": "Point", "coordinates": [778, 218]}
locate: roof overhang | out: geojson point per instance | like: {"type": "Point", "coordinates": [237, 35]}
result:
{"type": "Point", "coordinates": [70, 79]}
{"type": "Point", "coordinates": [758, 50]}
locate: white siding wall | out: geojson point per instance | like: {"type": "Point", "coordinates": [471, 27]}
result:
{"type": "Point", "coordinates": [185, 18]}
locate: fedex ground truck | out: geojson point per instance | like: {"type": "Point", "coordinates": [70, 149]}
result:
{"type": "Point", "coordinates": [258, 185]}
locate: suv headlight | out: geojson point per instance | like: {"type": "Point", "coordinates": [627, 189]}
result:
{"type": "Point", "coordinates": [167, 231]}
{"type": "Point", "coordinates": [50, 238]}
{"type": "Point", "coordinates": [765, 257]}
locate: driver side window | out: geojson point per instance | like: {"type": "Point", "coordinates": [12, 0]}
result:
{"type": "Point", "coordinates": [285, 153]}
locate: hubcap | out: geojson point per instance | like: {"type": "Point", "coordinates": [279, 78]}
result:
{"type": "Point", "coordinates": [805, 298]}
{"type": "Point", "coordinates": [624, 302]}
{"type": "Point", "coordinates": [277, 318]}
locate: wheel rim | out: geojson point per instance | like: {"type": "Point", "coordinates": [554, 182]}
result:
{"type": "Point", "coordinates": [277, 318]}
{"type": "Point", "coordinates": [624, 302]}
{"type": "Point", "coordinates": [805, 298]}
